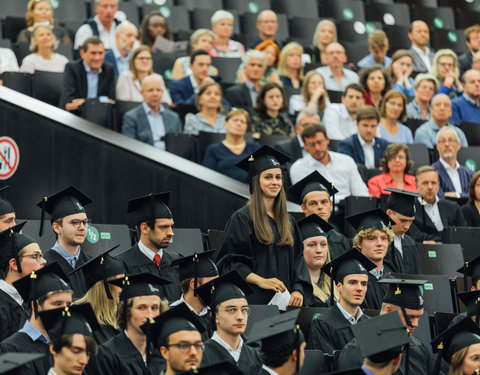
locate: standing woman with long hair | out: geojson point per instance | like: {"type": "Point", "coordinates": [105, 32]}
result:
{"type": "Point", "coordinates": [262, 241]}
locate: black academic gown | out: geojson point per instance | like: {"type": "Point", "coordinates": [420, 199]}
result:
{"type": "Point", "coordinates": [337, 244]}
{"type": "Point", "coordinates": [331, 331]}
{"type": "Point", "coordinates": [105, 333]}
{"type": "Point", "coordinates": [409, 262]}
{"type": "Point", "coordinates": [119, 356]}
{"type": "Point", "coordinates": [20, 342]}
{"type": "Point", "coordinates": [76, 280]}
{"type": "Point", "coordinates": [12, 316]}
{"type": "Point", "coordinates": [135, 261]}
{"type": "Point", "coordinates": [420, 360]}
{"type": "Point", "coordinates": [375, 291]}
{"type": "Point", "coordinates": [241, 251]}
{"type": "Point", "coordinates": [249, 362]}
{"type": "Point", "coordinates": [262, 372]}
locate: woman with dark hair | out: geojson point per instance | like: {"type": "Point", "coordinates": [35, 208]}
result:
{"type": "Point", "coordinates": [471, 210]}
{"type": "Point", "coordinates": [153, 25]}
{"type": "Point", "coordinates": [396, 166]}
{"type": "Point", "coordinates": [271, 115]}
{"type": "Point", "coordinates": [376, 82]}
{"type": "Point", "coordinates": [393, 110]}
{"type": "Point", "coordinates": [262, 241]}
{"type": "Point", "coordinates": [400, 70]}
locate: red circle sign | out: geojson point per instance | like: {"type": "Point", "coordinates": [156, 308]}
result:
{"type": "Point", "coordinates": [9, 157]}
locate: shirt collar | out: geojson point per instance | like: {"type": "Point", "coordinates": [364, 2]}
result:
{"type": "Point", "coordinates": [193, 82]}
{"type": "Point", "coordinates": [349, 316]}
{"type": "Point", "coordinates": [269, 370]}
{"type": "Point", "coordinates": [147, 252]}
{"type": "Point", "coordinates": [11, 291]}
{"type": "Point", "coordinates": [72, 259]}
{"type": "Point", "coordinates": [34, 333]}
{"type": "Point", "coordinates": [419, 51]}
{"type": "Point", "coordinates": [447, 166]}
{"type": "Point", "coordinates": [378, 274]}
{"type": "Point", "coordinates": [420, 199]}
{"type": "Point", "coordinates": [250, 86]}
{"type": "Point", "coordinates": [204, 311]}
{"type": "Point", "coordinates": [89, 71]}
{"type": "Point", "coordinates": [228, 348]}
{"type": "Point", "coordinates": [149, 110]}
{"type": "Point", "coordinates": [470, 100]}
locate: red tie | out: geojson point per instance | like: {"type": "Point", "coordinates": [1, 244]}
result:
{"type": "Point", "coordinates": [157, 259]}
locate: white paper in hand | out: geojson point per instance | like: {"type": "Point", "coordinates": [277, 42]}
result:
{"type": "Point", "coordinates": [281, 300]}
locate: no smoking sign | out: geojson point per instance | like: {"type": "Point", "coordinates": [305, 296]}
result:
{"type": "Point", "coordinates": [9, 157]}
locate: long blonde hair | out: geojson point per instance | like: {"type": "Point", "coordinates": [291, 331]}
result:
{"type": "Point", "coordinates": [322, 102]}
{"type": "Point", "coordinates": [322, 291]}
{"type": "Point", "coordinates": [282, 63]}
{"type": "Point", "coordinates": [457, 362]}
{"type": "Point", "coordinates": [258, 212]}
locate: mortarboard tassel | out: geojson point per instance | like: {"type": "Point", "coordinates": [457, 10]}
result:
{"type": "Point", "coordinates": [42, 216]}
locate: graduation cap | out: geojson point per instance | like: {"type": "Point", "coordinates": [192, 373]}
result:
{"type": "Point", "coordinates": [11, 243]}
{"type": "Point", "coordinates": [228, 286]}
{"type": "Point", "coordinates": [264, 158]}
{"type": "Point", "coordinates": [39, 283]}
{"type": "Point", "coordinates": [5, 206]}
{"type": "Point", "coordinates": [313, 226]}
{"type": "Point", "coordinates": [402, 201]}
{"type": "Point", "coordinates": [279, 333]}
{"type": "Point", "coordinates": [69, 320]}
{"type": "Point", "coordinates": [355, 371]}
{"type": "Point", "coordinates": [195, 266]}
{"type": "Point", "coordinates": [313, 182]}
{"type": "Point", "coordinates": [382, 338]}
{"type": "Point", "coordinates": [220, 368]}
{"type": "Point", "coordinates": [10, 362]}
{"type": "Point", "coordinates": [66, 202]}
{"type": "Point", "coordinates": [99, 268]}
{"type": "Point", "coordinates": [150, 207]}
{"type": "Point", "coordinates": [472, 301]}
{"type": "Point", "coordinates": [376, 218]}
{"type": "Point", "coordinates": [471, 269]}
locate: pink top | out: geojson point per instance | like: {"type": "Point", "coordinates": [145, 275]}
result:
{"type": "Point", "coordinates": [378, 183]}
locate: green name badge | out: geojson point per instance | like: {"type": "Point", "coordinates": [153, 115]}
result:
{"type": "Point", "coordinates": [105, 235]}
{"type": "Point", "coordinates": [428, 286]}
{"type": "Point", "coordinates": [432, 254]}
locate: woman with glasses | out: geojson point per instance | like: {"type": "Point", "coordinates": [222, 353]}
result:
{"type": "Point", "coordinates": [393, 110]}
{"type": "Point", "coordinates": [445, 69]}
{"type": "Point", "coordinates": [396, 166]}
{"type": "Point", "coordinates": [129, 83]}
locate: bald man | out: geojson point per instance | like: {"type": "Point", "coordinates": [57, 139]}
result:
{"type": "Point", "coordinates": [150, 121]}
{"type": "Point", "coordinates": [267, 26]}
{"type": "Point", "coordinates": [334, 74]}
{"type": "Point", "coordinates": [422, 55]}
{"type": "Point", "coordinates": [125, 39]}
{"type": "Point", "coordinates": [467, 106]}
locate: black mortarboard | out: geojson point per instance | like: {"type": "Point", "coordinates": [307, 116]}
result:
{"type": "Point", "coordinates": [41, 282]}
{"type": "Point", "coordinates": [11, 242]}
{"type": "Point", "coordinates": [313, 226]}
{"type": "Point", "coordinates": [69, 320]}
{"type": "Point", "coordinates": [402, 201]}
{"type": "Point", "coordinates": [150, 207]}
{"type": "Point", "coordinates": [355, 371]}
{"type": "Point", "coordinates": [5, 205]}
{"type": "Point", "coordinates": [404, 293]}
{"type": "Point", "coordinates": [472, 301]}
{"type": "Point", "coordinates": [313, 182]}
{"type": "Point", "coordinates": [220, 368]}
{"type": "Point", "coordinates": [471, 269]}
{"type": "Point", "coordinates": [376, 218]}
{"type": "Point", "coordinates": [11, 362]}
{"type": "Point", "coordinates": [382, 338]}
{"type": "Point", "coordinates": [69, 201]}
{"type": "Point", "coordinates": [195, 266]}
{"type": "Point", "coordinates": [264, 158]}
{"type": "Point", "coordinates": [228, 286]}
{"type": "Point", "coordinates": [178, 318]}
{"type": "Point", "coordinates": [99, 268]}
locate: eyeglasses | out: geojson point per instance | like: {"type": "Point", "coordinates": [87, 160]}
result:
{"type": "Point", "coordinates": [37, 256]}
{"type": "Point", "coordinates": [185, 347]}
{"type": "Point", "coordinates": [443, 65]}
{"type": "Point", "coordinates": [143, 58]}
{"type": "Point", "coordinates": [232, 310]}
{"type": "Point", "coordinates": [313, 144]}
{"type": "Point", "coordinates": [445, 141]}
{"type": "Point", "coordinates": [76, 223]}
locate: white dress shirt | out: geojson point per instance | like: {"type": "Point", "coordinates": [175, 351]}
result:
{"type": "Point", "coordinates": [181, 300]}
{"type": "Point", "coordinates": [453, 174]}
{"type": "Point", "coordinates": [424, 56]}
{"type": "Point", "coordinates": [351, 319]}
{"type": "Point", "coordinates": [51, 372]}
{"type": "Point", "coordinates": [147, 252]}
{"type": "Point", "coordinates": [397, 243]}
{"type": "Point", "coordinates": [269, 370]}
{"type": "Point", "coordinates": [234, 353]}
{"type": "Point", "coordinates": [378, 274]}
{"type": "Point", "coordinates": [433, 213]}
{"type": "Point", "coordinates": [11, 291]}
{"type": "Point", "coordinates": [106, 36]}
{"type": "Point", "coordinates": [194, 84]}
{"type": "Point", "coordinates": [8, 61]}
{"type": "Point", "coordinates": [368, 152]}
{"type": "Point", "coordinates": [338, 122]}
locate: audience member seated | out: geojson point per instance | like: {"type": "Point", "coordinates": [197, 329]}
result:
{"type": "Point", "coordinates": [244, 95]}
{"type": "Point", "coordinates": [8, 61]}
{"type": "Point", "coordinates": [337, 168]}
{"type": "Point", "coordinates": [440, 112]}
{"type": "Point", "coordinates": [209, 104]}
{"type": "Point", "coordinates": [467, 106]}
{"type": "Point", "coordinates": [129, 83]}
{"type": "Point", "coordinates": [290, 67]}
{"type": "Point", "coordinates": [272, 54]}
{"type": "Point", "coordinates": [223, 156]}
{"type": "Point", "coordinates": [378, 47]}
{"type": "Point", "coordinates": [433, 214]}
{"type": "Point", "coordinates": [88, 77]}
{"type": "Point", "coordinates": [471, 210]}
{"type": "Point", "coordinates": [476, 61]}
{"type": "Point", "coordinates": [376, 82]}
{"type": "Point", "coordinates": [364, 147]}
{"type": "Point", "coordinates": [314, 95]}
{"type": "Point", "coordinates": [392, 111]}
{"type": "Point", "coordinates": [340, 119]}
{"type": "Point", "coordinates": [422, 54]}
{"type": "Point", "coordinates": [40, 12]}
{"type": "Point", "coordinates": [325, 33]}
{"type": "Point", "coordinates": [396, 166]}
{"type": "Point", "coordinates": [426, 85]}
{"type": "Point", "coordinates": [102, 25]}
{"type": "Point", "coordinates": [125, 39]}
{"type": "Point", "coordinates": [222, 26]}
{"type": "Point", "coordinates": [271, 116]}
{"type": "Point", "coordinates": [400, 70]}
{"type": "Point", "coordinates": [445, 69]}
{"type": "Point", "coordinates": [150, 121]}
{"type": "Point", "coordinates": [294, 146]}
{"type": "Point", "coordinates": [42, 56]}
{"type": "Point", "coordinates": [454, 178]}
{"type": "Point", "coordinates": [472, 40]}
{"type": "Point", "coordinates": [153, 25]}
{"type": "Point", "coordinates": [267, 26]}
{"type": "Point", "coordinates": [336, 77]}
{"type": "Point", "coordinates": [184, 90]}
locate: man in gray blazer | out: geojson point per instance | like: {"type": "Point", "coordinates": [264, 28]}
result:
{"type": "Point", "coordinates": [422, 55]}
{"type": "Point", "coordinates": [150, 122]}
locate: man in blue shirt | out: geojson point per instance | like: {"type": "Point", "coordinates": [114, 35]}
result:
{"type": "Point", "coordinates": [378, 47]}
{"type": "Point", "coordinates": [125, 39]}
{"type": "Point", "coordinates": [467, 106]}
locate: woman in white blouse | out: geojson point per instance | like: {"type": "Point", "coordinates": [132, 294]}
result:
{"type": "Point", "coordinates": [129, 83]}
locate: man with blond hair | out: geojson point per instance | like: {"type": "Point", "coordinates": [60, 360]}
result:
{"type": "Point", "coordinates": [378, 47]}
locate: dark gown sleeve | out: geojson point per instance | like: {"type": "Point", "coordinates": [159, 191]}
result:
{"type": "Point", "coordinates": [104, 362]}
{"type": "Point", "coordinates": [322, 336]}
{"type": "Point", "coordinates": [337, 244]}
{"type": "Point", "coordinates": [467, 211]}
{"type": "Point", "coordinates": [350, 356]}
